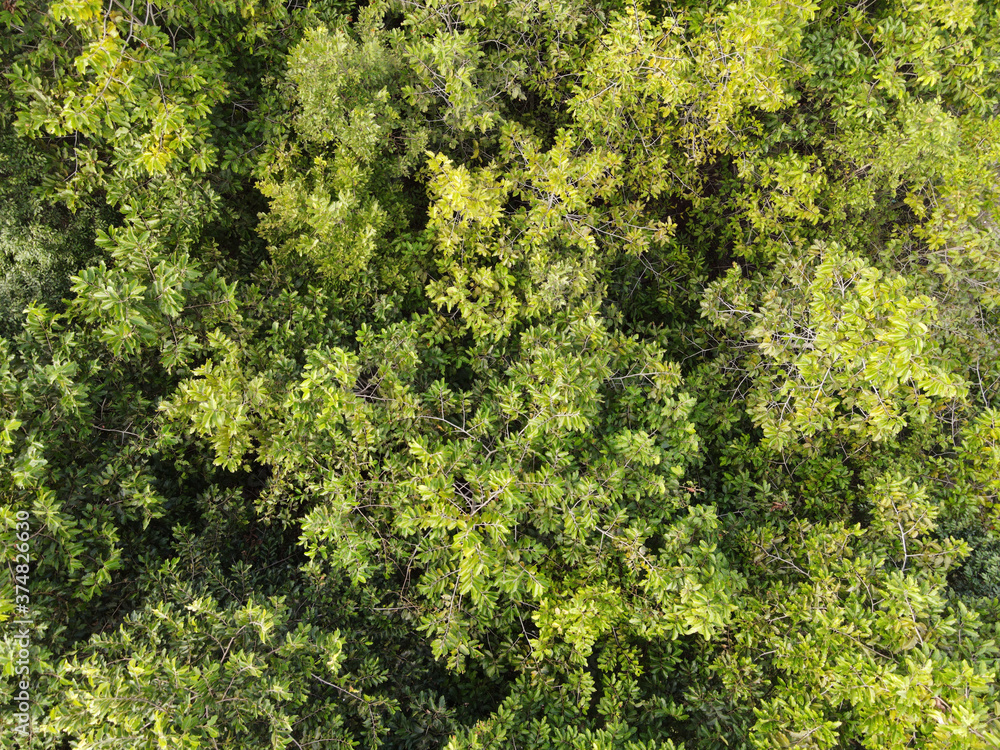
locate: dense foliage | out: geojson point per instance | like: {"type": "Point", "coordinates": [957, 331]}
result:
{"type": "Point", "coordinates": [539, 374]}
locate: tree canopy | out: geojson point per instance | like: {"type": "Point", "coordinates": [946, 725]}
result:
{"type": "Point", "coordinates": [535, 375]}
